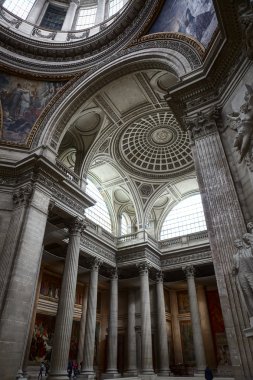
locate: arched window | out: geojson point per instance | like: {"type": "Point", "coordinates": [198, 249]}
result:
{"type": "Point", "coordinates": [185, 218]}
{"type": "Point", "coordinates": [115, 6]}
{"type": "Point", "coordinates": [125, 224]}
{"type": "Point", "coordinates": [18, 7]}
{"type": "Point", "coordinates": [86, 18]}
{"type": "Point", "coordinates": [98, 213]}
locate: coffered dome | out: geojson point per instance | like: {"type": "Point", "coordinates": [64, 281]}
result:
{"type": "Point", "coordinates": [155, 145]}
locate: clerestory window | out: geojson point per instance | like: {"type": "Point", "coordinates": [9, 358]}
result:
{"type": "Point", "coordinates": [115, 6]}
{"type": "Point", "coordinates": [98, 213]}
{"type": "Point", "coordinates": [86, 18]}
{"type": "Point", "coordinates": [185, 218]}
{"type": "Point", "coordinates": [19, 8]}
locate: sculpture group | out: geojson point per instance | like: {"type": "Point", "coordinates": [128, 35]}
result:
{"type": "Point", "coordinates": [243, 267]}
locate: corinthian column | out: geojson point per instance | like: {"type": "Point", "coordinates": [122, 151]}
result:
{"type": "Point", "coordinates": [131, 336]}
{"type": "Point", "coordinates": [199, 348]}
{"type": "Point", "coordinates": [146, 337]}
{"type": "Point", "coordinates": [113, 327]}
{"type": "Point", "coordinates": [65, 312]}
{"type": "Point", "coordinates": [163, 352]}
{"type": "Point", "coordinates": [87, 371]}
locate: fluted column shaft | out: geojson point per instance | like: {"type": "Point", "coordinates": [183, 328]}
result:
{"type": "Point", "coordinates": [131, 335]}
{"type": "Point", "coordinates": [65, 312]}
{"type": "Point", "coordinates": [90, 326]}
{"type": "Point", "coordinates": [82, 327]}
{"type": "Point", "coordinates": [225, 223]}
{"type": "Point", "coordinates": [146, 337]}
{"type": "Point", "coordinates": [163, 352]}
{"type": "Point", "coordinates": [70, 15]}
{"type": "Point", "coordinates": [199, 348]}
{"type": "Point", "coordinates": [113, 327]}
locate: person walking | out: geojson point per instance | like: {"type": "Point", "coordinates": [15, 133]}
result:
{"type": "Point", "coordinates": [208, 374]}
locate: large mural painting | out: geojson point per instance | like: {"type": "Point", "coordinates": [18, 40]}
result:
{"type": "Point", "coordinates": [194, 18]}
{"type": "Point", "coordinates": [21, 103]}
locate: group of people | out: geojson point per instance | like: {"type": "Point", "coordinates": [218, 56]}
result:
{"type": "Point", "coordinates": [44, 368]}
{"type": "Point", "coordinates": [72, 369]}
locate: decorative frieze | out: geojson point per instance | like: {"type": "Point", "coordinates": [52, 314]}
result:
{"type": "Point", "coordinates": [176, 261]}
{"type": "Point", "coordinates": [95, 249]}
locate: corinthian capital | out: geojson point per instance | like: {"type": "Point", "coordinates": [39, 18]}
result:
{"type": "Point", "coordinates": [203, 124]}
{"type": "Point", "coordinates": [77, 226]}
{"type": "Point", "coordinates": [143, 268]}
{"type": "Point", "coordinates": [159, 276]}
{"type": "Point", "coordinates": [22, 195]}
{"type": "Point", "coordinates": [189, 271]}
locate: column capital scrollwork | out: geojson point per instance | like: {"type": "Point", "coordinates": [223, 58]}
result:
{"type": "Point", "coordinates": [203, 124]}
{"type": "Point", "coordinates": [96, 264]}
{"type": "Point", "coordinates": [76, 226]}
{"type": "Point", "coordinates": [159, 277]}
{"type": "Point", "coordinates": [22, 195]}
{"type": "Point", "coordinates": [189, 271]}
{"type": "Point", "coordinates": [114, 273]}
{"type": "Point", "coordinates": [143, 268]}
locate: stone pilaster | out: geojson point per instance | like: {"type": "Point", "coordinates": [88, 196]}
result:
{"type": "Point", "coordinates": [131, 336]}
{"type": "Point", "coordinates": [225, 224]}
{"type": "Point", "coordinates": [35, 11]}
{"type": "Point", "coordinates": [100, 16]}
{"type": "Point", "coordinates": [82, 327]}
{"type": "Point", "coordinates": [29, 341]}
{"type": "Point", "coordinates": [17, 313]}
{"type": "Point", "coordinates": [199, 348]}
{"type": "Point", "coordinates": [113, 327]}
{"type": "Point", "coordinates": [65, 312]}
{"type": "Point", "coordinates": [70, 15]}
{"type": "Point", "coordinates": [87, 371]}
{"type": "Point", "coordinates": [163, 352]}
{"type": "Point", "coordinates": [21, 198]}
{"type": "Point", "coordinates": [146, 337]}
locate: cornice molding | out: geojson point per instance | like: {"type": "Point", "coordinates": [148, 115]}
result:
{"type": "Point", "coordinates": [49, 58]}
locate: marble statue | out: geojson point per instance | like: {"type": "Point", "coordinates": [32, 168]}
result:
{"type": "Point", "coordinates": [243, 124]}
{"type": "Point", "coordinates": [243, 269]}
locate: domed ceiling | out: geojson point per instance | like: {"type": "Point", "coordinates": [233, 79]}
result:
{"type": "Point", "coordinates": [140, 153]}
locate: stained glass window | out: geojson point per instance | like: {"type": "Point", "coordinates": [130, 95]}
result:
{"type": "Point", "coordinates": [54, 17]}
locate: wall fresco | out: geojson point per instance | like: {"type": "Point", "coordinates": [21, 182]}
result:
{"type": "Point", "coordinates": [194, 18]}
{"type": "Point", "coordinates": [21, 103]}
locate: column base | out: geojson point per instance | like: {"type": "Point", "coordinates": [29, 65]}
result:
{"type": "Point", "coordinates": [164, 373]}
{"type": "Point", "coordinates": [148, 376]}
{"type": "Point", "coordinates": [110, 375]}
{"type": "Point", "coordinates": [87, 376]}
{"type": "Point", "coordinates": [131, 373]}
{"type": "Point", "coordinates": [58, 376]}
